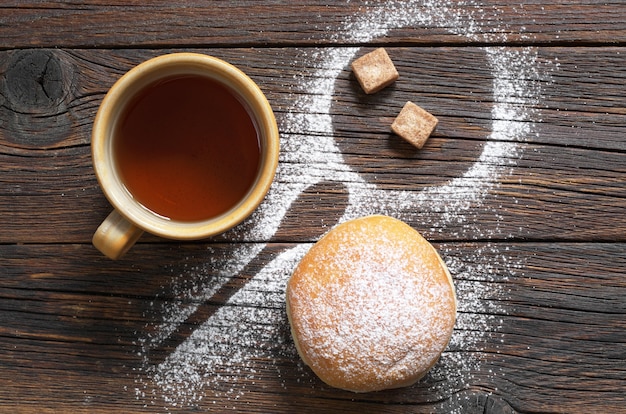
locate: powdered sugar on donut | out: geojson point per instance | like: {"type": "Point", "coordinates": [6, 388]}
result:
{"type": "Point", "coordinates": [368, 310]}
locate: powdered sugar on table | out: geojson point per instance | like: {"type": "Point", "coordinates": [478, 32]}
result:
{"type": "Point", "coordinates": [220, 359]}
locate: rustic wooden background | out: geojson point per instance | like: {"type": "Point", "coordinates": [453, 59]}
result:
{"type": "Point", "coordinates": [551, 234]}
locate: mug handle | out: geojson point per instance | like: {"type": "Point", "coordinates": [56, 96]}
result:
{"type": "Point", "coordinates": [115, 235]}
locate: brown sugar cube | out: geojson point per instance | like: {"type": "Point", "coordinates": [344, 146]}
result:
{"type": "Point", "coordinates": [414, 124]}
{"type": "Point", "coordinates": [374, 71]}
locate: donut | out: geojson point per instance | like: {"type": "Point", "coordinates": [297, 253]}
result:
{"type": "Point", "coordinates": [371, 306]}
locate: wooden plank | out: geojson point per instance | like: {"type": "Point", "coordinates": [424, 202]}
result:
{"type": "Point", "coordinates": [521, 188]}
{"type": "Point", "coordinates": [108, 24]}
{"type": "Point", "coordinates": [540, 328]}
{"type": "Point", "coordinates": [47, 184]}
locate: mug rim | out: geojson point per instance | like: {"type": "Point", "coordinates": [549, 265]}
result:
{"type": "Point", "coordinates": [156, 68]}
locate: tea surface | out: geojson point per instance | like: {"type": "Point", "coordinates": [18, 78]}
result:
{"type": "Point", "coordinates": [187, 148]}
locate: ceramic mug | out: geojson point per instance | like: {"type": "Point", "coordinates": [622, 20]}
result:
{"type": "Point", "coordinates": [131, 217]}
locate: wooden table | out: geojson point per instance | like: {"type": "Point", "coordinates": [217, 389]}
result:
{"type": "Point", "coordinates": [522, 188]}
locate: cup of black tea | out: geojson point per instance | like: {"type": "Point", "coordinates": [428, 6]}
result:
{"type": "Point", "coordinates": [184, 146]}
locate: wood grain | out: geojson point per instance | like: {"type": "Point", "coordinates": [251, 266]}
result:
{"type": "Point", "coordinates": [105, 24]}
{"type": "Point", "coordinates": [538, 265]}
{"type": "Point", "coordinates": [561, 332]}
{"type": "Point", "coordinates": [563, 168]}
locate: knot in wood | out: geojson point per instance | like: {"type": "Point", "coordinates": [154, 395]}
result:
{"type": "Point", "coordinates": [481, 402]}
{"type": "Point", "coordinates": [34, 81]}
{"type": "Point", "coordinates": [35, 88]}
{"type": "Point", "coordinates": [496, 405]}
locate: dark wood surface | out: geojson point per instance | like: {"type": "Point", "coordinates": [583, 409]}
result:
{"type": "Point", "coordinates": [522, 188]}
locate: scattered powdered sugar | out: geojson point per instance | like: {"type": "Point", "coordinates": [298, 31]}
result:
{"type": "Point", "coordinates": [433, 13]}
{"type": "Point", "coordinates": [225, 355]}
{"type": "Point", "coordinates": [213, 355]}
